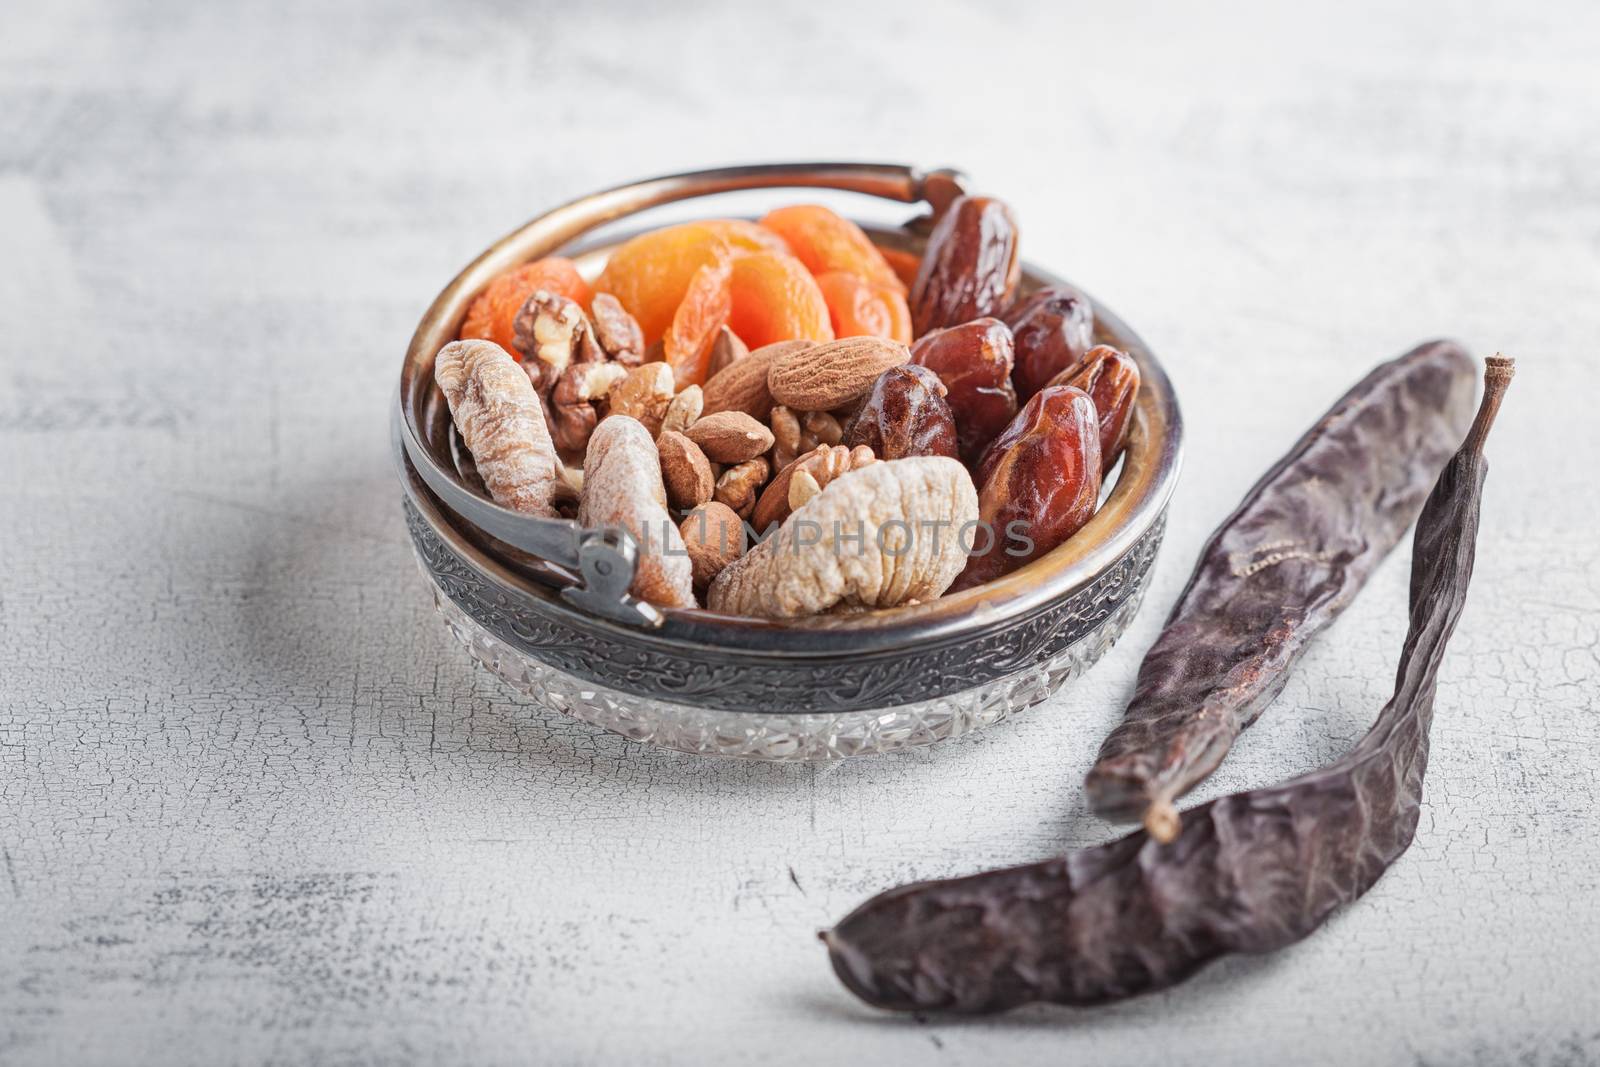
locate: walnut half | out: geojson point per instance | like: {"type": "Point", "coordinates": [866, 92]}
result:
{"type": "Point", "coordinates": [552, 332]}
{"type": "Point", "coordinates": [821, 465]}
{"type": "Point", "coordinates": [573, 414]}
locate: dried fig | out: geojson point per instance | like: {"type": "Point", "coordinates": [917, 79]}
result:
{"type": "Point", "coordinates": [877, 537]}
{"type": "Point", "coordinates": [622, 487]}
{"type": "Point", "coordinates": [500, 418]}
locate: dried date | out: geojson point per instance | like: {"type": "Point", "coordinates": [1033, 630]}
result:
{"type": "Point", "coordinates": [905, 414]}
{"type": "Point", "coordinates": [1053, 330]}
{"type": "Point", "coordinates": [970, 268]}
{"type": "Point", "coordinates": [1111, 378]}
{"type": "Point", "coordinates": [974, 362]}
{"type": "Point", "coordinates": [1039, 483]}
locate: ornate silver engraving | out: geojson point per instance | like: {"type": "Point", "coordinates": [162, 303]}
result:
{"type": "Point", "coordinates": [785, 737]}
{"type": "Point", "coordinates": [735, 680]}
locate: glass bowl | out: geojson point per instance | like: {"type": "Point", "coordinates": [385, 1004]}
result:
{"type": "Point", "coordinates": [819, 688]}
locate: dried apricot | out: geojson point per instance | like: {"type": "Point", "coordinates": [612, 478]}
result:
{"type": "Point", "coordinates": [650, 273]}
{"type": "Point", "coordinates": [825, 242]}
{"type": "Point", "coordinates": [492, 316]}
{"type": "Point", "coordinates": [695, 325]}
{"type": "Point", "coordinates": [776, 299]}
{"type": "Point", "coordinates": [904, 264]}
{"type": "Point", "coordinates": [859, 308]}
{"type": "Point", "coordinates": [746, 236]}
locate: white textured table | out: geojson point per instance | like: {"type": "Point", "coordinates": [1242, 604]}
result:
{"type": "Point", "coordinates": [256, 805]}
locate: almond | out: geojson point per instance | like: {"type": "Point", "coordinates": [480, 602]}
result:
{"type": "Point", "coordinates": [742, 384]}
{"type": "Point", "coordinates": [714, 537]}
{"type": "Point", "coordinates": [727, 349]}
{"type": "Point", "coordinates": [685, 471]}
{"type": "Point", "coordinates": [832, 374]}
{"type": "Point", "coordinates": [684, 409]}
{"type": "Point", "coordinates": [730, 436]}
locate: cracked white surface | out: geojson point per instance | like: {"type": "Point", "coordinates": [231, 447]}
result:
{"type": "Point", "coordinates": [256, 805]}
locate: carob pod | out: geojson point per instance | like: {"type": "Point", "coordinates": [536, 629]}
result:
{"type": "Point", "coordinates": [1278, 571]}
{"type": "Point", "coordinates": [1254, 872]}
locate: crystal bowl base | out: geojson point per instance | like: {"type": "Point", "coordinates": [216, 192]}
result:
{"type": "Point", "coordinates": [785, 737]}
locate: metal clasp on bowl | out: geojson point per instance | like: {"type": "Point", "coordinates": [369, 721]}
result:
{"type": "Point", "coordinates": [605, 558]}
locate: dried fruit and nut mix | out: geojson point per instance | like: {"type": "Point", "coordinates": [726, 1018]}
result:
{"type": "Point", "coordinates": [790, 420]}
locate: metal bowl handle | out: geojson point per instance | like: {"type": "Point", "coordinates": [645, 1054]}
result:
{"type": "Point", "coordinates": [888, 181]}
{"type": "Point", "coordinates": [606, 558]}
